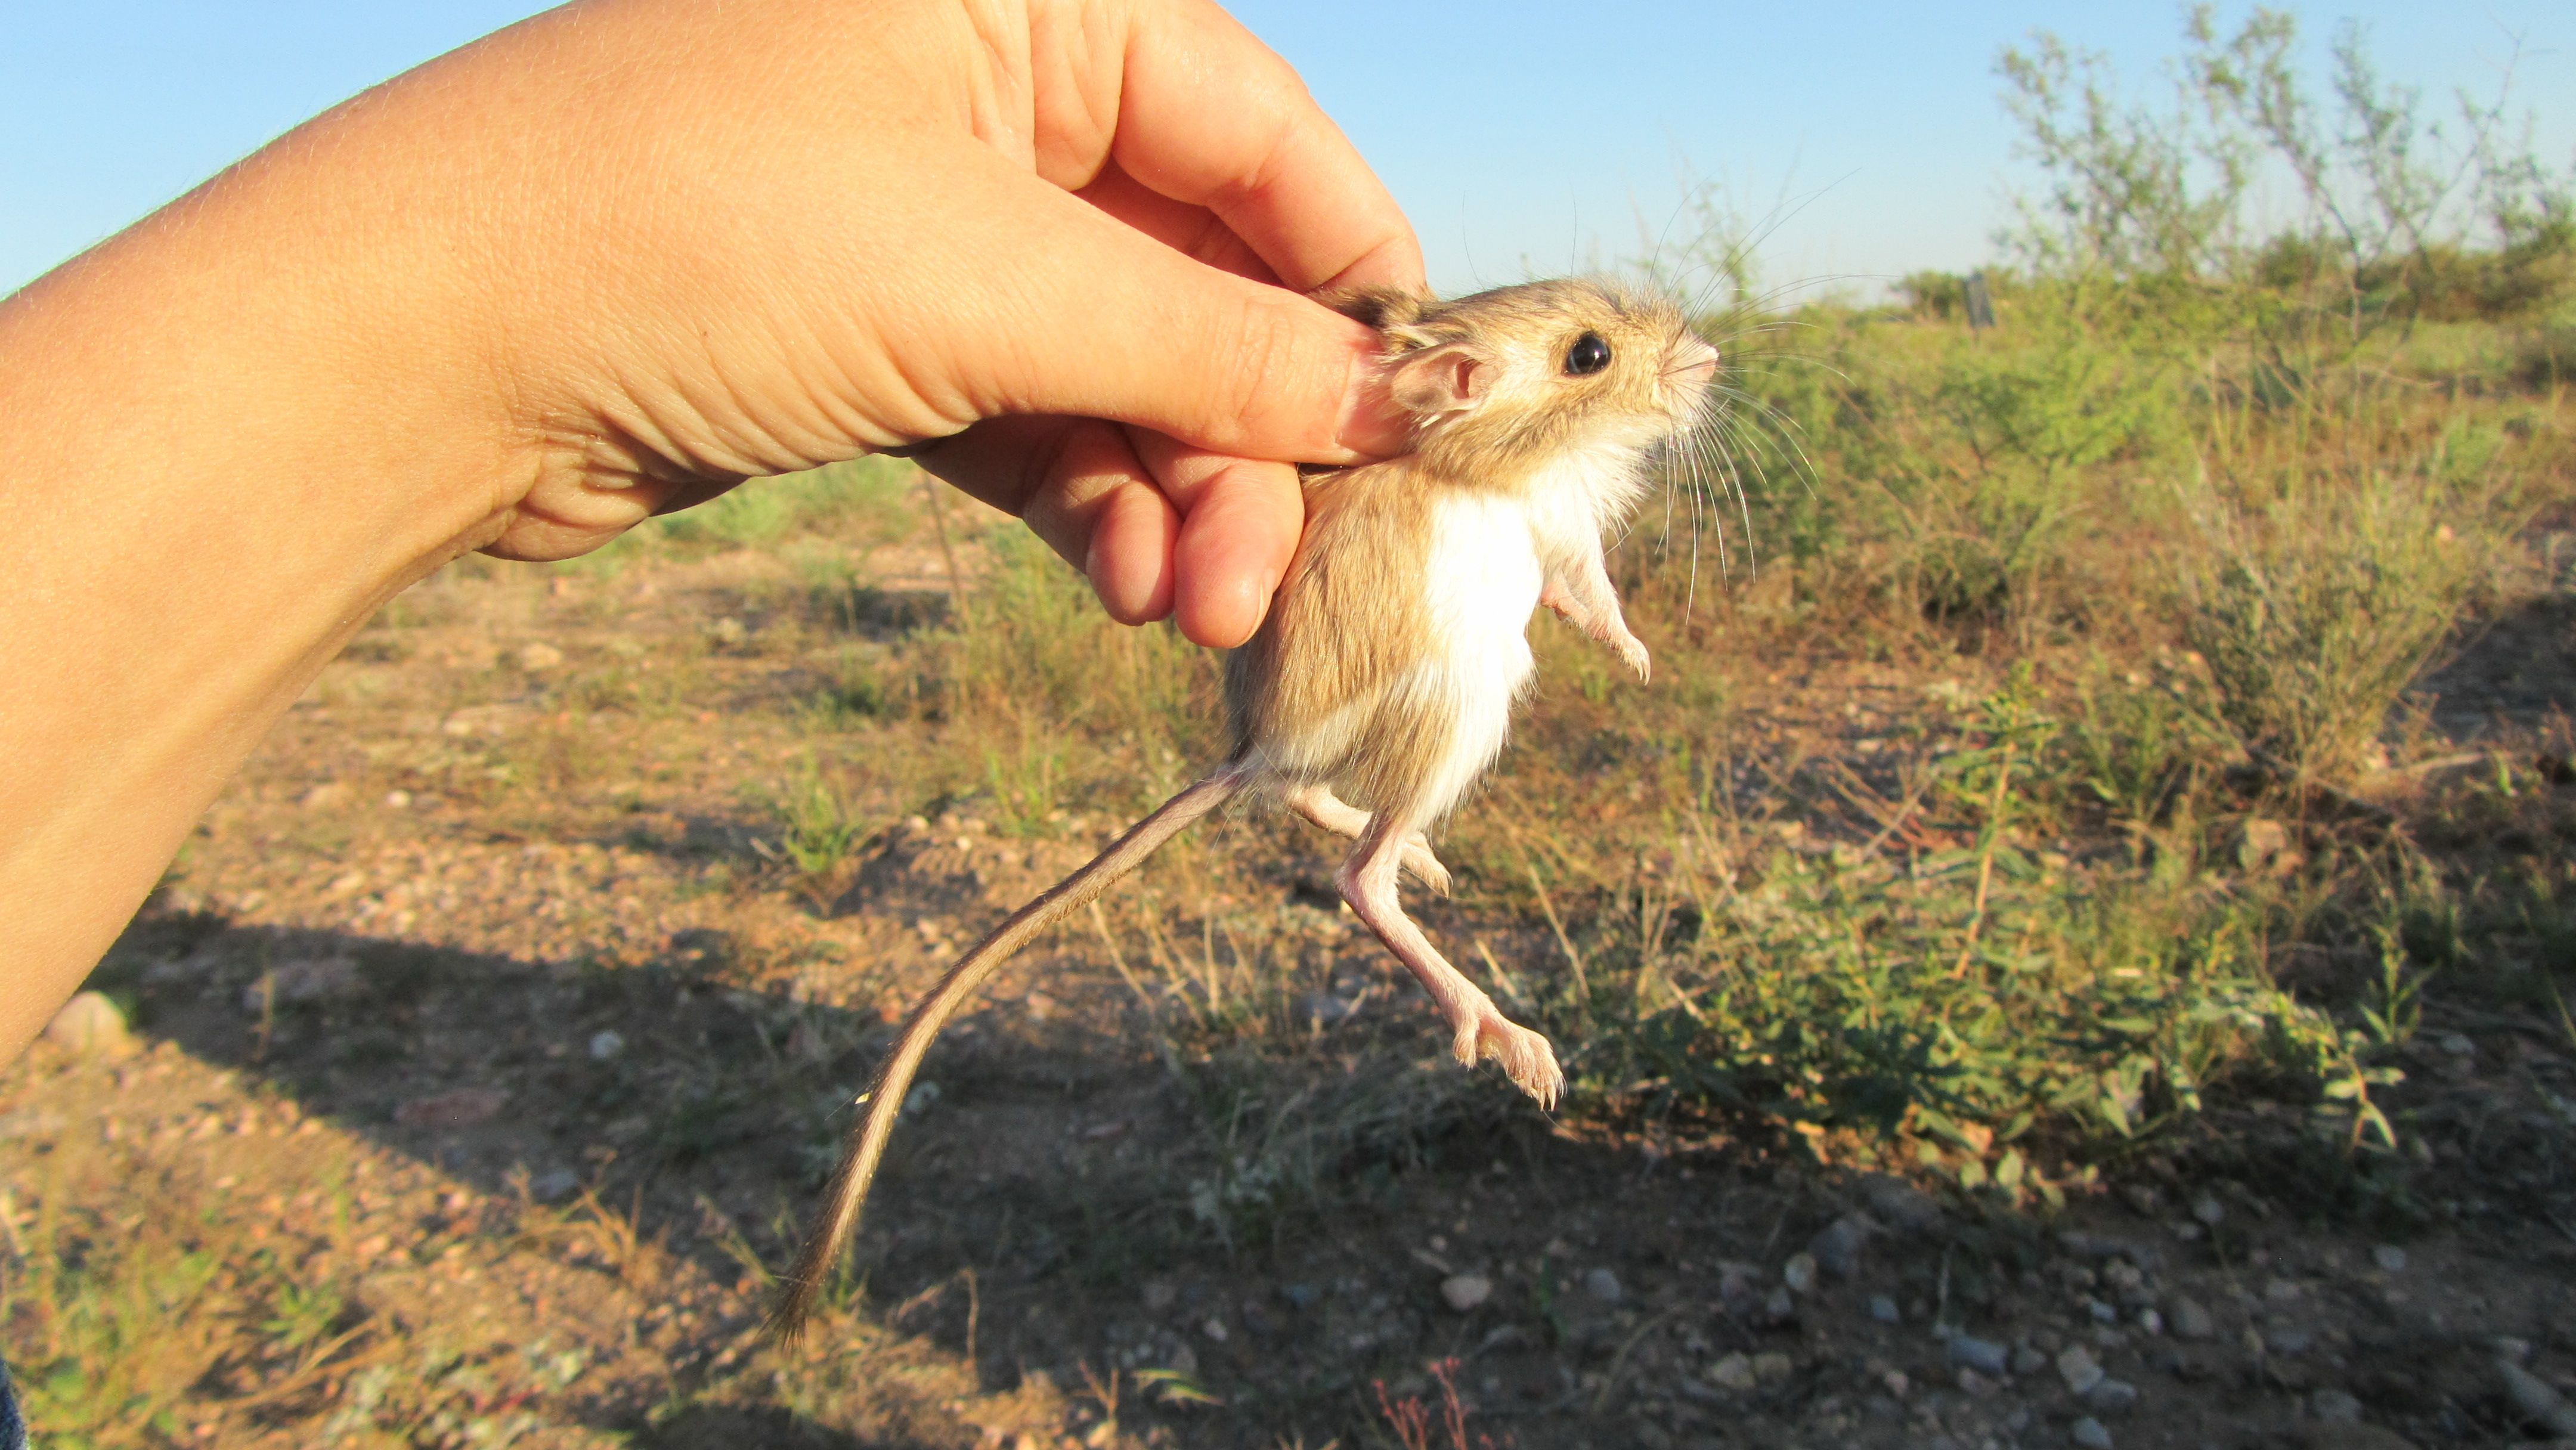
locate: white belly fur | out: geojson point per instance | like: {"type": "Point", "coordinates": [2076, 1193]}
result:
{"type": "Point", "coordinates": [1480, 587]}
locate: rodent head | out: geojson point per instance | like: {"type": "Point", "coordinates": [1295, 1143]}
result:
{"type": "Point", "coordinates": [1512, 378]}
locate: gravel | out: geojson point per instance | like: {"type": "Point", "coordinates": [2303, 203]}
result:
{"type": "Point", "coordinates": [1464, 1292]}
{"type": "Point", "coordinates": [2188, 1319]}
{"type": "Point", "coordinates": [1982, 1355]}
{"type": "Point", "coordinates": [1799, 1273]}
{"type": "Point", "coordinates": [2089, 1433]}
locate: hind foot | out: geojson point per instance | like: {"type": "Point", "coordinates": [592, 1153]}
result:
{"type": "Point", "coordinates": [1525, 1056]}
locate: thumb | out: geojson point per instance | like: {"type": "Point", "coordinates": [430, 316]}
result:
{"type": "Point", "coordinates": [1083, 315]}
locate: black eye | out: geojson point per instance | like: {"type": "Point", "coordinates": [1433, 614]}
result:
{"type": "Point", "coordinates": [1589, 355]}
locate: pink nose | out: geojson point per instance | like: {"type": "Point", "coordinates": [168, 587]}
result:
{"type": "Point", "coordinates": [1699, 362]}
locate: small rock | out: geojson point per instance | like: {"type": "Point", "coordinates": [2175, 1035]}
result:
{"type": "Point", "coordinates": [554, 1185]}
{"type": "Point", "coordinates": [2187, 1319]}
{"type": "Point", "coordinates": [1733, 1372]}
{"type": "Point", "coordinates": [462, 1108]}
{"type": "Point", "coordinates": [1901, 1204]}
{"type": "Point", "coordinates": [1465, 1291]}
{"type": "Point", "coordinates": [1739, 1287]}
{"type": "Point", "coordinates": [2102, 1313]}
{"type": "Point", "coordinates": [2089, 1433]}
{"type": "Point", "coordinates": [1982, 1355]}
{"type": "Point", "coordinates": [1159, 1294]}
{"type": "Point", "coordinates": [2079, 1369]}
{"type": "Point", "coordinates": [605, 1045]}
{"type": "Point", "coordinates": [1837, 1247]}
{"type": "Point", "coordinates": [1306, 1296]}
{"type": "Point", "coordinates": [2390, 1258]}
{"type": "Point", "coordinates": [2511, 1347]}
{"type": "Point", "coordinates": [2290, 1339]}
{"type": "Point", "coordinates": [920, 1098]}
{"type": "Point", "coordinates": [1214, 1329]}
{"type": "Point", "coordinates": [2209, 1210]}
{"type": "Point", "coordinates": [1799, 1273]}
{"type": "Point", "coordinates": [1973, 1383]}
{"type": "Point", "coordinates": [2536, 1398]}
{"type": "Point", "coordinates": [2029, 1360]}
{"type": "Point", "coordinates": [1778, 1307]}
{"type": "Point", "coordinates": [1883, 1309]}
{"type": "Point", "coordinates": [1771, 1366]}
{"type": "Point", "coordinates": [539, 656]}
{"type": "Point", "coordinates": [2150, 1321]}
{"type": "Point", "coordinates": [2334, 1407]}
{"type": "Point", "coordinates": [1603, 1285]}
{"type": "Point", "coordinates": [1896, 1382]}
{"type": "Point", "coordinates": [2112, 1397]}
{"type": "Point", "coordinates": [1183, 1359]}
{"type": "Point", "coordinates": [90, 1025]}
{"type": "Point", "coordinates": [399, 800]}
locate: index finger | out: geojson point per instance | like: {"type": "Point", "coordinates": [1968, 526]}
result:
{"type": "Point", "coordinates": [1210, 116]}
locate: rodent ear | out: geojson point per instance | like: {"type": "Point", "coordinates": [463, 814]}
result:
{"type": "Point", "coordinates": [1383, 308]}
{"type": "Point", "coordinates": [1439, 380]}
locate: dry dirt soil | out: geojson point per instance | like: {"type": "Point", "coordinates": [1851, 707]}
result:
{"type": "Point", "coordinates": [495, 1010]}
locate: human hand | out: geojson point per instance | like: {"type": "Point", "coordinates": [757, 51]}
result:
{"type": "Point", "coordinates": [1043, 250]}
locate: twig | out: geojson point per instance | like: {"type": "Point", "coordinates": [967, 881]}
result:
{"type": "Point", "coordinates": [1985, 866]}
{"type": "Point", "coordinates": [939, 525]}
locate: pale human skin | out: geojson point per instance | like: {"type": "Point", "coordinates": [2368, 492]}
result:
{"type": "Point", "coordinates": [606, 263]}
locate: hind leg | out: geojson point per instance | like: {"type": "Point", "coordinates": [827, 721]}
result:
{"type": "Point", "coordinates": [1479, 1029]}
{"type": "Point", "coordinates": [1318, 804]}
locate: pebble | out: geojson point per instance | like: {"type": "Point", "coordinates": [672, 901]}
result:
{"type": "Point", "coordinates": [1603, 1285]}
{"type": "Point", "coordinates": [2079, 1369]}
{"type": "Point", "coordinates": [1982, 1355]}
{"type": "Point", "coordinates": [2102, 1313]}
{"type": "Point", "coordinates": [1771, 1366]}
{"type": "Point", "coordinates": [1883, 1309]}
{"type": "Point", "coordinates": [605, 1045]}
{"type": "Point", "coordinates": [1733, 1372]}
{"type": "Point", "coordinates": [2188, 1319]}
{"type": "Point", "coordinates": [90, 1024]}
{"type": "Point", "coordinates": [2089, 1433]}
{"type": "Point", "coordinates": [1778, 1307]}
{"type": "Point", "coordinates": [1304, 1296]}
{"type": "Point", "coordinates": [540, 656]}
{"type": "Point", "coordinates": [1799, 1273]}
{"type": "Point", "coordinates": [2028, 1360]}
{"type": "Point", "coordinates": [1465, 1291]}
{"type": "Point", "coordinates": [2209, 1210]}
{"type": "Point", "coordinates": [2536, 1398]}
{"type": "Point", "coordinates": [2112, 1397]}
{"type": "Point", "coordinates": [1973, 1383]}
{"type": "Point", "coordinates": [1837, 1247]}
{"type": "Point", "coordinates": [554, 1185]}
{"type": "Point", "coordinates": [2390, 1258]}
{"type": "Point", "coordinates": [920, 1098]}
{"type": "Point", "coordinates": [1901, 1204]}
{"type": "Point", "coordinates": [2150, 1321]}
{"type": "Point", "coordinates": [2334, 1407]}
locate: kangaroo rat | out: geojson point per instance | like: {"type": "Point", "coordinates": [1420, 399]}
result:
{"type": "Point", "coordinates": [1380, 686]}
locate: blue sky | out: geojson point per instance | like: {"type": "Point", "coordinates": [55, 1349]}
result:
{"type": "Point", "coordinates": [1519, 139]}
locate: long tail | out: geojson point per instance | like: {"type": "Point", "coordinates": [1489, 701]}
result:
{"type": "Point", "coordinates": [866, 1145]}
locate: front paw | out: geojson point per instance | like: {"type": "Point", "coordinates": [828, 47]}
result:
{"type": "Point", "coordinates": [1633, 651]}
